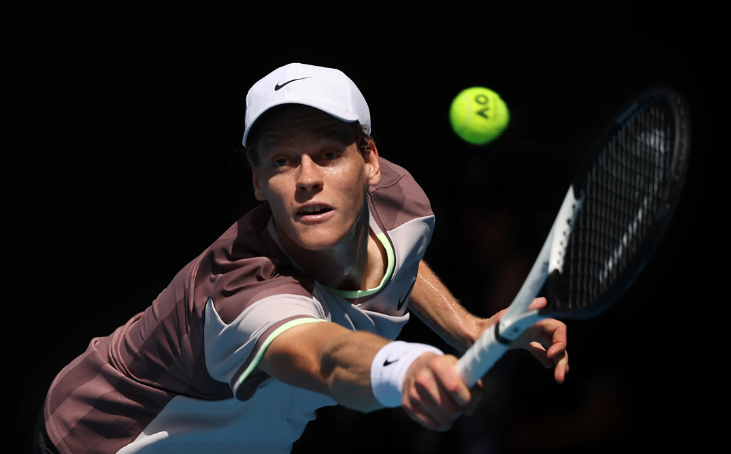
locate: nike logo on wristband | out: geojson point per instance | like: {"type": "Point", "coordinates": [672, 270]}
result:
{"type": "Point", "coordinates": [387, 362]}
{"type": "Point", "coordinates": [277, 87]}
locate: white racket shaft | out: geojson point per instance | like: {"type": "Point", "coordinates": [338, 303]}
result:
{"type": "Point", "coordinates": [487, 350]}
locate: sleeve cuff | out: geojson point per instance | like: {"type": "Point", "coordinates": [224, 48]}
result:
{"type": "Point", "coordinates": [242, 392]}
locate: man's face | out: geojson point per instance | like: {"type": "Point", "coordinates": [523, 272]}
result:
{"type": "Point", "coordinates": [313, 176]}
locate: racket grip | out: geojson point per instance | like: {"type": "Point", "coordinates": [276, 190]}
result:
{"type": "Point", "coordinates": [480, 357]}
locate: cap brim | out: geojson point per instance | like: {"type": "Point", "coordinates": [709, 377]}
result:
{"type": "Point", "coordinates": [339, 113]}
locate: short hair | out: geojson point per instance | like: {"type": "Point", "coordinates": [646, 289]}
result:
{"type": "Point", "coordinates": [364, 142]}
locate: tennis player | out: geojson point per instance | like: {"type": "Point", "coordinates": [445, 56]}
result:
{"type": "Point", "coordinates": [295, 307]}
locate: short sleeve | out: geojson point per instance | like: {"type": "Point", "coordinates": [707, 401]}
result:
{"type": "Point", "coordinates": [233, 350]}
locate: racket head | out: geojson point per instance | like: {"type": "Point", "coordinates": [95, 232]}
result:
{"type": "Point", "coordinates": [629, 184]}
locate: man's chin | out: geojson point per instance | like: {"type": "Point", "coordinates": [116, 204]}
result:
{"type": "Point", "coordinates": [317, 238]}
{"type": "Point", "coordinates": [316, 244]}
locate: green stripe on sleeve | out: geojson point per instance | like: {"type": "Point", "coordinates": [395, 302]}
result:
{"type": "Point", "coordinates": [277, 332]}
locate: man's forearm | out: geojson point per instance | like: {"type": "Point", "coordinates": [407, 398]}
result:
{"type": "Point", "coordinates": [326, 358]}
{"type": "Point", "coordinates": [365, 372]}
{"type": "Point", "coordinates": [435, 305]}
{"type": "Point", "coordinates": [346, 366]}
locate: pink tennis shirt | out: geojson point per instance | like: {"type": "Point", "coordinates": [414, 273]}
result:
{"type": "Point", "coordinates": [181, 376]}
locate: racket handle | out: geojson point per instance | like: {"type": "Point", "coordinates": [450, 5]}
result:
{"type": "Point", "coordinates": [480, 357]}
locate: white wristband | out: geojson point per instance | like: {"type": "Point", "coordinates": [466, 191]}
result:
{"type": "Point", "coordinates": [389, 368]}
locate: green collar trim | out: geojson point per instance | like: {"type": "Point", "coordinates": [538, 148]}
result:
{"type": "Point", "coordinates": [352, 294]}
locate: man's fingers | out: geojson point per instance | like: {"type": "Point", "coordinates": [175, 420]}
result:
{"type": "Point", "coordinates": [436, 402]}
{"type": "Point", "coordinates": [558, 337]}
{"type": "Point", "coordinates": [443, 388]}
{"type": "Point", "coordinates": [435, 395]}
{"type": "Point", "coordinates": [560, 361]}
{"type": "Point", "coordinates": [556, 349]}
{"type": "Point", "coordinates": [416, 411]}
{"type": "Point", "coordinates": [546, 341]}
{"type": "Point", "coordinates": [477, 393]}
{"type": "Point", "coordinates": [538, 303]}
{"type": "Point", "coordinates": [450, 381]}
{"type": "Point", "coordinates": [539, 352]}
{"type": "Point", "coordinates": [550, 333]}
{"type": "Point", "coordinates": [562, 366]}
{"type": "Point", "coordinates": [421, 408]}
{"type": "Point", "coordinates": [438, 407]}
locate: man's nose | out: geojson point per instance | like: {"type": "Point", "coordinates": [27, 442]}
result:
{"type": "Point", "coordinates": [310, 176]}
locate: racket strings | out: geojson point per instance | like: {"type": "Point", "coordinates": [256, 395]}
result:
{"type": "Point", "coordinates": [624, 192]}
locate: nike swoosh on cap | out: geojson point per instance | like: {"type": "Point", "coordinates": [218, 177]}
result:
{"type": "Point", "coordinates": [278, 86]}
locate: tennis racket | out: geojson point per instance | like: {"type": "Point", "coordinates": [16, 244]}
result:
{"type": "Point", "coordinates": [608, 226]}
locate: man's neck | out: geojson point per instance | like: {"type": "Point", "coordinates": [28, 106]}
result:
{"type": "Point", "coordinates": [345, 266]}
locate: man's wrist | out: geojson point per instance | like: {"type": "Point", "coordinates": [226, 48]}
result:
{"type": "Point", "coordinates": [472, 331]}
{"type": "Point", "coordinates": [389, 368]}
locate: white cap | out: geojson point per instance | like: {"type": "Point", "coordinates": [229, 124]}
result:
{"type": "Point", "coordinates": [329, 90]}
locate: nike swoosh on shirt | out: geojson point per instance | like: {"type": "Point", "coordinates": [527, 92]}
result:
{"type": "Point", "coordinates": [278, 86]}
{"type": "Point", "coordinates": [401, 301]}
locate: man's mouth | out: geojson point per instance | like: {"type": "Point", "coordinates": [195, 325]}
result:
{"type": "Point", "coordinates": [314, 209]}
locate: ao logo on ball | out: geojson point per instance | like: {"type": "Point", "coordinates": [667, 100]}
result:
{"type": "Point", "coordinates": [478, 115]}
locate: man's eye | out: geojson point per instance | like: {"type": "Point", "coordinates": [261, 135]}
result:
{"type": "Point", "coordinates": [280, 162]}
{"type": "Point", "coordinates": [331, 155]}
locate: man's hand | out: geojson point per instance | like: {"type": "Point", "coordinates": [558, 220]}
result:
{"type": "Point", "coordinates": [434, 394]}
{"type": "Point", "coordinates": [545, 340]}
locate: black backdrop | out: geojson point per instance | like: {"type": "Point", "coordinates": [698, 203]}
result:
{"type": "Point", "coordinates": [137, 171]}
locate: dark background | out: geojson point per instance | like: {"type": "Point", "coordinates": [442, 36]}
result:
{"type": "Point", "coordinates": [135, 170]}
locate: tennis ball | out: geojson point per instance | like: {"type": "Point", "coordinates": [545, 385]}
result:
{"type": "Point", "coordinates": [478, 115]}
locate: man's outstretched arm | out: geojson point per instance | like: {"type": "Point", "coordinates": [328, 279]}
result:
{"type": "Point", "coordinates": [330, 359]}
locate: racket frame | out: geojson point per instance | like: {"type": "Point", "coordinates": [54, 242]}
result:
{"type": "Point", "coordinates": [495, 341]}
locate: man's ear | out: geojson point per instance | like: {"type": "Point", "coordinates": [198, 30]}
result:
{"type": "Point", "coordinates": [258, 192]}
{"type": "Point", "coordinates": [373, 166]}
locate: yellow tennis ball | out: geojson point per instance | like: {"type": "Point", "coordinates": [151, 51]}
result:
{"type": "Point", "coordinates": [478, 115]}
